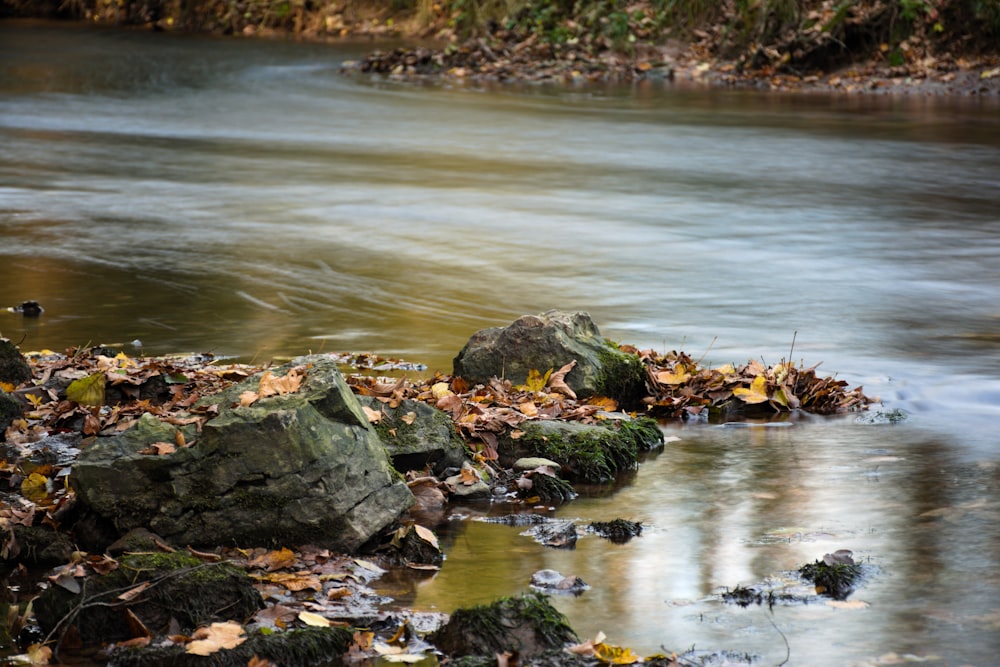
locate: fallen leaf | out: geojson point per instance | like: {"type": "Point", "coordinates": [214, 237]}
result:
{"type": "Point", "coordinates": [427, 535]}
{"type": "Point", "coordinates": [409, 417]}
{"type": "Point", "coordinates": [757, 393]}
{"type": "Point", "coordinates": [159, 449]}
{"type": "Point", "coordinates": [440, 390]}
{"type": "Point", "coordinates": [248, 398]}
{"type": "Point", "coordinates": [216, 637]}
{"type": "Point", "coordinates": [87, 390]}
{"type": "Point", "coordinates": [557, 380]}
{"type": "Point", "coordinates": [314, 620]}
{"type": "Point", "coordinates": [374, 416]}
{"type": "Point", "coordinates": [535, 381]}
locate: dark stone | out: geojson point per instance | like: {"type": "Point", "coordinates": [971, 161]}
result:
{"type": "Point", "coordinates": [618, 531]}
{"type": "Point", "coordinates": [558, 535]}
{"type": "Point", "coordinates": [10, 409]}
{"type": "Point", "coordinates": [36, 545]}
{"type": "Point", "coordinates": [418, 436]}
{"type": "Point", "coordinates": [13, 368]}
{"type": "Point", "coordinates": [550, 341]}
{"type": "Point", "coordinates": [303, 467]}
{"type": "Point", "coordinates": [528, 625]}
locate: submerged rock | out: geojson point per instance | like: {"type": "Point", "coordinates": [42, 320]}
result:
{"type": "Point", "coordinates": [550, 581]}
{"type": "Point", "coordinates": [294, 468]}
{"type": "Point", "coordinates": [552, 340]}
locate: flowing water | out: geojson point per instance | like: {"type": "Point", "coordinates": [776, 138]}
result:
{"type": "Point", "coordinates": [245, 198]}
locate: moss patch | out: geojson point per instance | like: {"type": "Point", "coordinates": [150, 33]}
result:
{"type": "Point", "coordinates": [528, 624]}
{"type": "Point", "coordinates": [622, 376]}
{"type": "Point", "coordinates": [179, 587]}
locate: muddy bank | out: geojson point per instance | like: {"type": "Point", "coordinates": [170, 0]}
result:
{"type": "Point", "coordinates": [946, 48]}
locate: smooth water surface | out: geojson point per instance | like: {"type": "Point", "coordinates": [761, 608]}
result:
{"type": "Point", "coordinates": [246, 198]}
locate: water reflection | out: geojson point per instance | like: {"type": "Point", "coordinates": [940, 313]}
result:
{"type": "Point", "coordinates": [241, 197]}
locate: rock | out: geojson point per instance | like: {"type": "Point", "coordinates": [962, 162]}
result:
{"type": "Point", "coordinates": [180, 589]}
{"type": "Point", "coordinates": [618, 531]}
{"type": "Point", "coordinates": [550, 581]}
{"type": "Point", "coordinates": [558, 534]}
{"type": "Point", "coordinates": [418, 436]}
{"type": "Point", "coordinates": [528, 463]}
{"type": "Point", "coordinates": [587, 452]}
{"type": "Point", "coordinates": [10, 409]}
{"type": "Point", "coordinates": [302, 467]}
{"type": "Point", "coordinates": [550, 341]}
{"type": "Point", "coordinates": [36, 545]}
{"type": "Point", "coordinates": [528, 625]}
{"type": "Point", "coordinates": [13, 368]}
{"type": "Point", "coordinates": [468, 485]}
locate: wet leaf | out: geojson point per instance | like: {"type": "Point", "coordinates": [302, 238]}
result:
{"type": "Point", "coordinates": [427, 536]}
{"type": "Point", "coordinates": [87, 390]}
{"type": "Point", "coordinates": [216, 637]}
{"type": "Point", "coordinates": [314, 620]}
{"type": "Point", "coordinates": [615, 655]}
{"type": "Point", "coordinates": [757, 393]}
{"type": "Point", "coordinates": [34, 487]}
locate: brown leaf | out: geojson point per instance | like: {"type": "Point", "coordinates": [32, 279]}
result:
{"type": "Point", "coordinates": [374, 416]}
{"type": "Point", "coordinates": [409, 417]}
{"type": "Point", "coordinates": [216, 637]}
{"type": "Point", "coordinates": [557, 381]}
{"type": "Point", "coordinates": [159, 449]}
{"type": "Point", "coordinates": [271, 385]}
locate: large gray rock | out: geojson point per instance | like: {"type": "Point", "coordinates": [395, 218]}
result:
{"type": "Point", "coordinates": [304, 467]}
{"type": "Point", "coordinates": [550, 341]}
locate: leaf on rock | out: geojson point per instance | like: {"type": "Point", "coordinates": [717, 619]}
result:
{"type": "Point", "coordinates": [34, 487]}
{"type": "Point", "coordinates": [271, 385]}
{"type": "Point", "coordinates": [409, 418]}
{"type": "Point", "coordinates": [679, 375]}
{"type": "Point", "coordinates": [614, 655]}
{"type": "Point", "coordinates": [757, 393]}
{"type": "Point", "coordinates": [159, 449]}
{"type": "Point", "coordinates": [374, 416]}
{"type": "Point", "coordinates": [216, 637]}
{"type": "Point", "coordinates": [440, 390]}
{"type": "Point", "coordinates": [535, 381]}
{"type": "Point", "coordinates": [314, 620]}
{"type": "Point", "coordinates": [427, 536]}
{"type": "Point", "coordinates": [248, 398]}
{"type": "Point", "coordinates": [87, 390]}
{"type": "Point", "coordinates": [557, 380]}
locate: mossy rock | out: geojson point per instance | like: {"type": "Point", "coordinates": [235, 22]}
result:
{"type": "Point", "coordinates": [180, 588]}
{"type": "Point", "coordinates": [552, 340]}
{"type": "Point", "coordinates": [305, 647]}
{"type": "Point", "coordinates": [592, 453]}
{"type": "Point", "coordinates": [528, 625]}
{"type": "Point", "coordinates": [13, 368]}
{"type": "Point", "coordinates": [417, 436]}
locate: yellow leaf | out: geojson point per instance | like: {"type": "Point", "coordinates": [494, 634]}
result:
{"type": "Point", "coordinates": [315, 620]}
{"type": "Point", "coordinates": [216, 637]}
{"type": "Point", "coordinates": [528, 409]}
{"type": "Point", "coordinates": [614, 655]}
{"type": "Point", "coordinates": [536, 381]}
{"type": "Point", "coordinates": [34, 487]}
{"type": "Point", "coordinates": [88, 390]}
{"type": "Point", "coordinates": [7, 386]}
{"type": "Point", "coordinates": [678, 376]}
{"type": "Point", "coordinates": [440, 390]}
{"type": "Point", "coordinates": [757, 393]}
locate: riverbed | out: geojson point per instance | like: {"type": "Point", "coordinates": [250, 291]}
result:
{"type": "Point", "coordinates": [180, 193]}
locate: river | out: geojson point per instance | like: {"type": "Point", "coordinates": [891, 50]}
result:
{"type": "Point", "coordinates": [183, 193]}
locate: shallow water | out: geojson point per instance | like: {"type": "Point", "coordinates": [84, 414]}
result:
{"type": "Point", "coordinates": [243, 197]}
